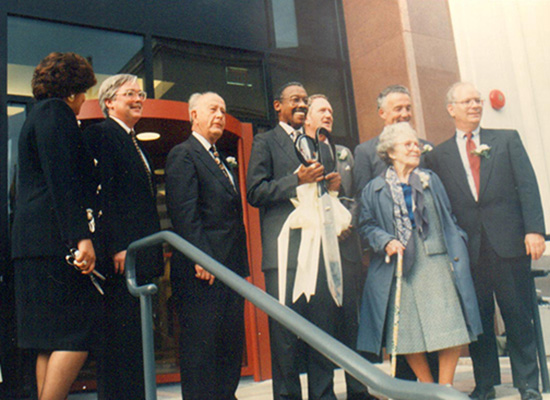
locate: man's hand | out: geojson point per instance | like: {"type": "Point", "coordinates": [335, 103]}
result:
{"type": "Point", "coordinates": [534, 245]}
{"type": "Point", "coordinates": [394, 246]}
{"type": "Point", "coordinates": [333, 181]}
{"type": "Point", "coordinates": [346, 233]}
{"type": "Point", "coordinates": [203, 274]}
{"type": "Point", "coordinates": [118, 260]}
{"type": "Point", "coordinates": [310, 174]}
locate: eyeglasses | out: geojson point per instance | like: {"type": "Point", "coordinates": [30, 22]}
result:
{"type": "Point", "coordinates": [295, 100]}
{"type": "Point", "coordinates": [130, 94]}
{"type": "Point", "coordinates": [411, 145]}
{"type": "Point", "coordinates": [470, 102]}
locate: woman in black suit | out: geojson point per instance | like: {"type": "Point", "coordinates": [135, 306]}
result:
{"type": "Point", "coordinates": [56, 302]}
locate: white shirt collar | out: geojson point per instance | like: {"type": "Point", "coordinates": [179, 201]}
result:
{"type": "Point", "coordinates": [205, 143]}
{"type": "Point", "coordinates": [288, 129]}
{"type": "Point", "coordinates": [462, 134]}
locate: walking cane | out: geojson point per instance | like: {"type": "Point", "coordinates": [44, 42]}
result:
{"type": "Point", "coordinates": [398, 283]}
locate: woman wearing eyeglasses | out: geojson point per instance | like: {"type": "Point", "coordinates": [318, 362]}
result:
{"type": "Point", "coordinates": [56, 302]}
{"type": "Point", "coordinates": [406, 210]}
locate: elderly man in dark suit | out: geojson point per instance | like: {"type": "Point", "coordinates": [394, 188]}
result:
{"type": "Point", "coordinates": [205, 207]}
{"type": "Point", "coordinates": [495, 197]}
{"type": "Point", "coordinates": [320, 115]}
{"type": "Point", "coordinates": [128, 203]}
{"type": "Point", "coordinates": [274, 173]}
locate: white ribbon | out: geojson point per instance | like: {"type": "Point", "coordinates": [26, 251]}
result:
{"type": "Point", "coordinates": [307, 217]}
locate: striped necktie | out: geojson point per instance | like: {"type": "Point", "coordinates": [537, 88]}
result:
{"type": "Point", "coordinates": [143, 160]}
{"type": "Point", "coordinates": [216, 155]}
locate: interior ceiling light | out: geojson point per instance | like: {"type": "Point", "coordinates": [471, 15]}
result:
{"type": "Point", "coordinates": [148, 136]}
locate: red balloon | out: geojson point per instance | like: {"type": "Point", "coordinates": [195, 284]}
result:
{"type": "Point", "coordinates": [497, 99]}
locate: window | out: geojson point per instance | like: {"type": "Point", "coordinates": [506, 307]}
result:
{"type": "Point", "coordinates": [16, 118]}
{"type": "Point", "coordinates": [306, 28]}
{"type": "Point", "coordinates": [30, 40]}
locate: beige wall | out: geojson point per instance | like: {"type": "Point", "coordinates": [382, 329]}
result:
{"type": "Point", "coordinates": [504, 45]}
{"type": "Point", "coordinates": [408, 42]}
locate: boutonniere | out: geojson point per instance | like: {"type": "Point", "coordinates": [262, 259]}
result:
{"type": "Point", "coordinates": [342, 155]}
{"type": "Point", "coordinates": [426, 148]}
{"type": "Point", "coordinates": [482, 151]}
{"type": "Point", "coordinates": [424, 179]}
{"type": "Point", "coordinates": [231, 162]}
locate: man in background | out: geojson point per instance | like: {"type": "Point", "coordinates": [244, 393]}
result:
{"type": "Point", "coordinates": [394, 105]}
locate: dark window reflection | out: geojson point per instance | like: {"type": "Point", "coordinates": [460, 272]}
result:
{"type": "Point", "coordinates": [181, 70]}
{"type": "Point", "coordinates": [306, 28]}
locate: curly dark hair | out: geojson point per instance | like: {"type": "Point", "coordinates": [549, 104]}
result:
{"type": "Point", "coordinates": [60, 75]}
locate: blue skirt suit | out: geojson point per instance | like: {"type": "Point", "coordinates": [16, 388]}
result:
{"type": "Point", "coordinates": [376, 228]}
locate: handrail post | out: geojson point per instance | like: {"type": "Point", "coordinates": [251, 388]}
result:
{"type": "Point", "coordinates": [146, 310]}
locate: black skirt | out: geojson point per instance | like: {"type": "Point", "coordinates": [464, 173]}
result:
{"type": "Point", "coordinates": [58, 308]}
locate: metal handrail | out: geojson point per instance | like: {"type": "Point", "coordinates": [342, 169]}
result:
{"type": "Point", "coordinates": [350, 361]}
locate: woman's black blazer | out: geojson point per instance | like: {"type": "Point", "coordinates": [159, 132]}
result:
{"type": "Point", "coordinates": [54, 183]}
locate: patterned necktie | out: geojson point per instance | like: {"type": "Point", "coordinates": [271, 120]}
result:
{"type": "Point", "coordinates": [216, 155]}
{"type": "Point", "coordinates": [475, 161]}
{"type": "Point", "coordinates": [143, 160]}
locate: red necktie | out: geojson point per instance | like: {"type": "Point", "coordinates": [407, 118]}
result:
{"type": "Point", "coordinates": [475, 161]}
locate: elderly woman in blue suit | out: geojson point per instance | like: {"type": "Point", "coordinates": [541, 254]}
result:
{"type": "Point", "coordinates": [406, 210]}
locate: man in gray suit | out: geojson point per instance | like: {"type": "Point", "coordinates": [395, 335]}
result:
{"type": "Point", "coordinates": [274, 173]}
{"type": "Point", "coordinates": [320, 115]}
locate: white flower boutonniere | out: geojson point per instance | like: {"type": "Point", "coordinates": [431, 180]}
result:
{"type": "Point", "coordinates": [482, 151]}
{"type": "Point", "coordinates": [342, 155]}
{"type": "Point", "coordinates": [424, 179]}
{"type": "Point", "coordinates": [427, 148]}
{"type": "Point", "coordinates": [231, 162]}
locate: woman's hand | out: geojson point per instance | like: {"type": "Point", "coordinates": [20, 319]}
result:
{"type": "Point", "coordinates": [84, 258]}
{"type": "Point", "coordinates": [394, 246]}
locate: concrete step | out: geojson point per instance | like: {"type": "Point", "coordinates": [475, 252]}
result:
{"type": "Point", "coordinates": [250, 390]}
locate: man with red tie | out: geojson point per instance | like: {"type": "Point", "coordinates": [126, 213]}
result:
{"type": "Point", "coordinates": [495, 197]}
